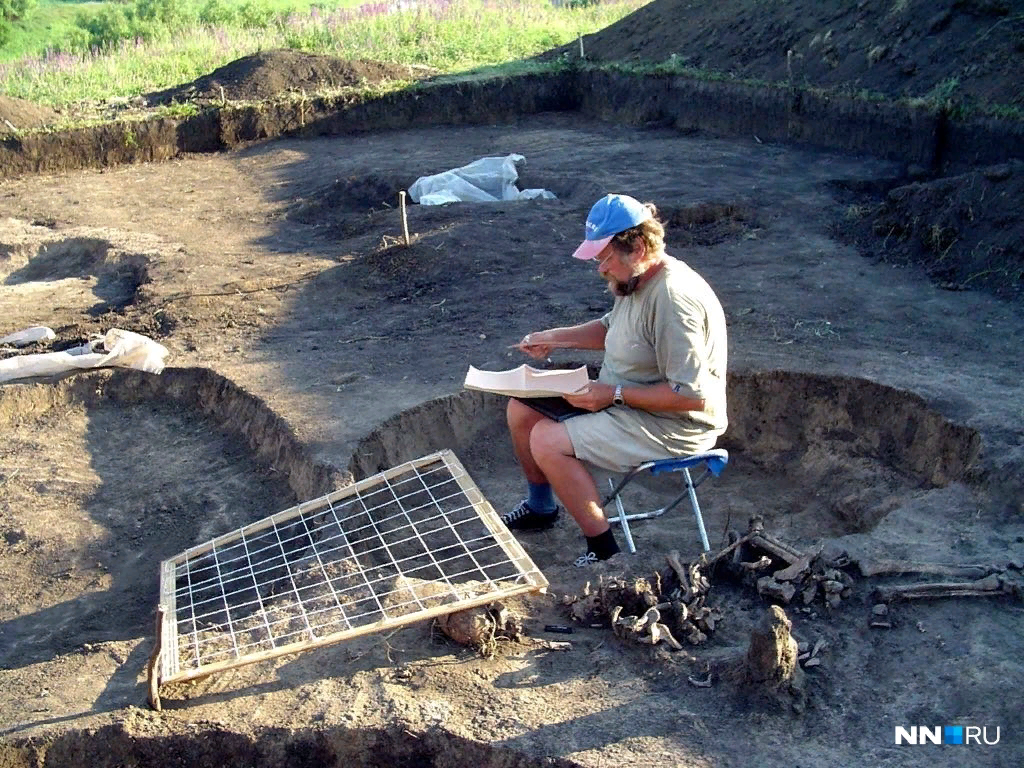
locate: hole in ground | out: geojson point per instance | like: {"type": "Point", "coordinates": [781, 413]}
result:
{"type": "Point", "coordinates": [346, 206]}
{"type": "Point", "coordinates": [108, 473]}
{"type": "Point", "coordinates": [816, 455]}
{"type": "Point", "coordinates": [113, 746]}
{"type": "Point", "coordinates": [115, 274]}
{"type": "Point", "coordinates": [707, 224]}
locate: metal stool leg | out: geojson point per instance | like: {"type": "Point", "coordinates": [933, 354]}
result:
{"type": "Point", "coordinates": [713, 461]}
{"type": "Point", "coordinates": [696, 510]}
{"type": "Point", "coordinates": [622, 519]}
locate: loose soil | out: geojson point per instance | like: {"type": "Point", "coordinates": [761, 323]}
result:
{"type": "Point", "coordinates": [872, 412]}
{"type": "Point", "coordinates": [309, 344]}
{"type": "Point", "coordinates": [961, 51]}
{"type": "Point", "coordinates": [272, 74]}
{"type": "Point", "coordinates": [21, 115]}
{"type": "Point", "coordinates": [964, 230]}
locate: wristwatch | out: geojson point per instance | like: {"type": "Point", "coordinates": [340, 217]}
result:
{"type": "Point", "coordinates": [617, 398]}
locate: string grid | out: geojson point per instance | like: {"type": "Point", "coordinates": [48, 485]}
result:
{"type": "Point", "coordinates": [415, 541]}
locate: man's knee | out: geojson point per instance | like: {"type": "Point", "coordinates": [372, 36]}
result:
{"type": "Point", "coordinates": [515, 412]}
{"type": "Point", "coordinates": [549, 438]}
{"type": "Point", "coordinates": [521, 418]}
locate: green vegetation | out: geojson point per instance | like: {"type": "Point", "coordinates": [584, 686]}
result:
{"type": "Point", "coordinates": [49, 24]}
{"type": "Point", "coordinates": [11, 13]}
{"type": "Point", "coordinates": [63, 52]}
{"type": "Point", "coordinates": [119, 50]}
{"type": "Point", "coordinates": [68, 26]}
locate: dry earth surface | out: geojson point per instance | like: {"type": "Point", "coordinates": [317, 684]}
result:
{"type": "Point", "coordinates": [873, 411]}
{"type": "Point", "coordinates": [960, 50]}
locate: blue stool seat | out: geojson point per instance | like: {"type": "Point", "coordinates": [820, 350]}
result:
{"type": "Point", "coordinates": [713, 462]}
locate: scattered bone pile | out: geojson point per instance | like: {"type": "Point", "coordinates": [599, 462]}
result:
{"type": "Point", "coordinates": [672, 606]}
{"type": "Point", "coordinates": [783, 574]}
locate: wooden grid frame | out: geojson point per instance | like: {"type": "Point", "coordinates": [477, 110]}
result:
{"type": "Point", "coordinates": [416, 541]}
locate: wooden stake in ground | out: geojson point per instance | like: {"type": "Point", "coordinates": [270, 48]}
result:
{"type": "Point", "coordinates": [405, 221]}
{"type": "Point", "coordinates": [152, 672]}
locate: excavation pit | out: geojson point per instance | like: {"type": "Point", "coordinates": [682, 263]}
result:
{"type": "Point", "coordinates": [330, 352]}
{"type": "Point", "coordinates": [140, 741]}
{"type": "Point", "coordinates": [107, 474]}
{"type": "Point", "coordinates": [41, 264]}
{"type": "Point", "coordinates": [137, 468]}
{"type": "Point", "coordinates": [817, 456]}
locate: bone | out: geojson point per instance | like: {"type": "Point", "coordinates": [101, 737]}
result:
{"type": "Point", "coordinates": [799, 567]}
{"type": "Point", "coordinates": [677, 565]}
{"type": "Point", "coordinates": [774, 590]}
{"type": "Point", "coordinates": [698, 683]}
{"type": "Point", "coordinates": [898, 567]}
{"type": "Point", "coordinates": [777, 548]}
{"type": "Point", "coordinates": [709, 560]}
{"type": "Point", "coordinates": [653, 616]}
{"type": "Point", "coordinates": [661, 632]}
{"type": "Point", "coordinates": [553, 645]}
{"type": "Point", "coordinates": [987, 587]}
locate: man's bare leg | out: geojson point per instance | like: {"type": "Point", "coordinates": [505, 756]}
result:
{"type": "Point", "coordinates": [521, 421]}
{"type": "Point", "coordinates": [551, 451]}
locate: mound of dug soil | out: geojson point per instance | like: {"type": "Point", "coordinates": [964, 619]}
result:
{"type": "Point", "coordinates": [270, 73]}
{"type": "Point", "coordinates": [964, 230]}
{"type": "Point", "coordinates": [19, 115]}
{"type": "Point", "coordinates": [962, 50]}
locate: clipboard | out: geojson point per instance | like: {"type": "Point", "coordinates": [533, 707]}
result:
{"type": "Point", "coordinates": [555, 408]}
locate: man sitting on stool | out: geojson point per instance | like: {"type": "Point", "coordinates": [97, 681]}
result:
{"type": "Point", "coordinates": [661, 390]}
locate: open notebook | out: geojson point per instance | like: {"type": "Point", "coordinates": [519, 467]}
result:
{"type": "Point", "coordinates": [528, 382]}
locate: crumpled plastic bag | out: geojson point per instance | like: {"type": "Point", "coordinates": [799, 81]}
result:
{"type": "Point", "coordinates": [486, 180]}
{"type": "Point", "coordinates": [117, 348]}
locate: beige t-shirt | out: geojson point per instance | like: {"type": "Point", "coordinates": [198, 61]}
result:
{"type": "Point", "coordinates": [671, 329]}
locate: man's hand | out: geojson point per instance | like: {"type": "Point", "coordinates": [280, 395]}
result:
{"type": "Point", "coordinates": [596, 396]}
{"type": "Point", "coordinates": [536, 345]}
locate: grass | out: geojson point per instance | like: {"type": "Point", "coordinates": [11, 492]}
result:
{"type": "Point", "coordinates": [50, 21]}
{"type": "Point", "coordinates": [458, 38]}
{"type": "Point", "coordinates": [448, 36]}
{"type": "Point", "coordinates": [52, 25]}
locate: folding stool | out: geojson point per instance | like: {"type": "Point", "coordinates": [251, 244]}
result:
{"type": "Point", "coordinates": [713, 462]}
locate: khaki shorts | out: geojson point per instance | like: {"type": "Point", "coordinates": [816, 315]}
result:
{"type": "Point", "coordinates": [617, 439]}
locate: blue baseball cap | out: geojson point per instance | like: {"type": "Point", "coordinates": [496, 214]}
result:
{"type": "Point", "coordinates": [609, 216]}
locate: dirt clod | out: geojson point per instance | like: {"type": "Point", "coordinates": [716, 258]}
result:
{"type": "Point", "coordinates": [772, 656]}
{"type": "Point", "coordinates": [482, 628]}
{"type": "Point", "coordinates": [275, 73]}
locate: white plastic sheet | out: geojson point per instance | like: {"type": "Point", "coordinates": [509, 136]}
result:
{"type": "Point", "coordinates": [486, 180]}
{"type": "Point", "coordinates": [117, 348]}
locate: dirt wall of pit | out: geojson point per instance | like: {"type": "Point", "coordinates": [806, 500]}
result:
{"type": "Point", "coordinates": [141, 741]}
{"type": "Point", "coordinates": [269, 439]}
{"type": "Point", "coordinates": [776, 416]}
{"type": "Point", "coordinates": [920, 136]}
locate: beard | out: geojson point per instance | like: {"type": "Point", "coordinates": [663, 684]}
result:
{"type": "Point", "coordinates": [618, 288]}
